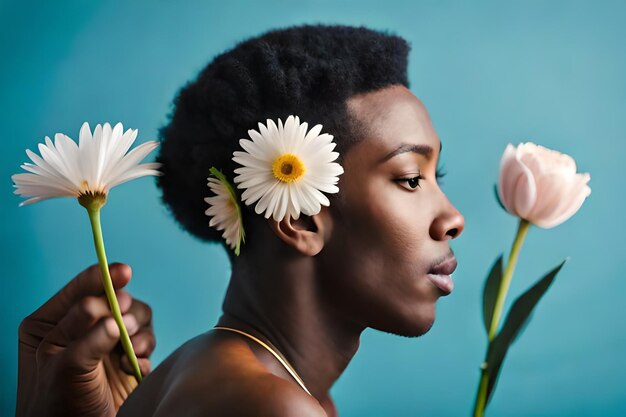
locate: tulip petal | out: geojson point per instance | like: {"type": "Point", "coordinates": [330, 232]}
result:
{"type": "Point", "coordinates": [504, 183]}
{"type": "Point", "coordinates": [550, 189]}
{"type": "Point", "coordinates": [525, 193]}
{"type": "Point", "coordinates": [516, 185]}
{"type": "Point", "coordinates": [571, 203]}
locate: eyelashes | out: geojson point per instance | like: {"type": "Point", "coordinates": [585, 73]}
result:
{"type": "Point", "coordinates": [439, 174]}
{"type": "Point", "coordinates": [414, 182]}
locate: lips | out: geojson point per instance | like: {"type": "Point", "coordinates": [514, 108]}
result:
{"type": "Point", "coordinates": [441, 274]}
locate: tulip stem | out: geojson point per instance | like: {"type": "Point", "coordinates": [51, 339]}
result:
{"type": "Point", "coordinates": [522, 231]}
{"type": "Point", "coordinates": [94, 218]}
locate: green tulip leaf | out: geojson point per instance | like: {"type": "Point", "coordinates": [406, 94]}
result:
{"type": "Point", "coordinates": [495, 189]}
{"type": "Point", "coordinates": [523, 328]}
{"type": "Point", "coordinates": [518, 316]}
{"type": "Point", "coordinates": [490, 292]}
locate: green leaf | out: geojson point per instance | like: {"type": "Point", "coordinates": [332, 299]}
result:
{"type": "Point", "coordinates": [518, 316]}
{"type": "Point", "coordinates": [523, 328]}
{"type": "Point", "coordinates": [495, 189]}
{"type": "Point", "coordinates": [490, 292]}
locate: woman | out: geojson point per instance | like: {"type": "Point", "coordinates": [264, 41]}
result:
{"type": "Point", "coordinates": [302, 291]}
{"type": "Point", "coordinates": [304, 287]}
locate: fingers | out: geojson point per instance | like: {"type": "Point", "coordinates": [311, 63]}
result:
{"type": "Point", "coordinates": [87, 283]}
{"type": "Point", "coordinates": [141, 311]}
{"type": "Point", "coordinates": [144, 365]}
{"type": "Point", "coordinates": [144, 341]}
{"type": "Point", "coordinates": [88, 351]}
{"type": "Point", "coordinates": [81, 317]}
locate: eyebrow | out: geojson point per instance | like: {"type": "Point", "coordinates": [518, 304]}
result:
{"type": "Point", "coordinates": [424, 150]}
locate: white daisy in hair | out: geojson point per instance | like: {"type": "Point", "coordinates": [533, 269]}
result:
{"type": "Point", "coordinates": [286, 169]}
{"type": "Point", "coordinates": [98, 163]}
{"type": "Point", "coordinates": [225, 211]}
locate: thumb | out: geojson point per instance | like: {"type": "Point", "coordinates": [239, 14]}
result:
{"type": "Point", "coordinates": [88, 351]}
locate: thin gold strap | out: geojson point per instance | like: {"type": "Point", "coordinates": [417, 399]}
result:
{"type": "Point", "coordinates": [281, 360]}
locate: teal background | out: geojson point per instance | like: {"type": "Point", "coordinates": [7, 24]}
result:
{"type": "Point", "coordinates": [490, 72]}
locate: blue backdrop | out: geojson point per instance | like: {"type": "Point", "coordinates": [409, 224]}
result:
{"type": "Point", "coordinates": [552, 72]}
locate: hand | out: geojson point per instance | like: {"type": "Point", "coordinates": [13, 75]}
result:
{"type": "Point", "coordinates": [69, 360]}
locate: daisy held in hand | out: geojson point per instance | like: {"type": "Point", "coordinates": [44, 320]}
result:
{"type": "Point", "coordinates": [285, 170]}
{"type": "Point", "coordinates": [88, 171]}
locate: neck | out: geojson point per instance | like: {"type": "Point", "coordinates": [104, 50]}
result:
{"type": "Point", "coordinates": [281, 302]}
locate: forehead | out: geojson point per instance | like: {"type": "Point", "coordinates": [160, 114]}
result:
{"type": "Point", "coordinates": [391, 117]}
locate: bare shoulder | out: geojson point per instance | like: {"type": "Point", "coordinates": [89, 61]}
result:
{"type": "Point", "coordinates": [278, 397]}
{"type": "Point", "coordinates": [267, 395]}
{"type": "Point", "coordinates": [258, 395]}
{"type": "Point", "coordinates": [221, 377]}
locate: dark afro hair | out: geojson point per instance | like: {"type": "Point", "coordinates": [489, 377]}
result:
{"type": "Point", "coordinates": [309, 71]}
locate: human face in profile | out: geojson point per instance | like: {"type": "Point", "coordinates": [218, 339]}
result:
{"type": "Point", "coordinates": [392, 222]}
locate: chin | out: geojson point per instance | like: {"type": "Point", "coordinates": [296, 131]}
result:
{"type": "Point", "coordinates": [419, 328]}
{"type": "Point", "coordinates": [413, 325]}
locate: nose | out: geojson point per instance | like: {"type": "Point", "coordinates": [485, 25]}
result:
{"type": "Point", "coordinates": [449, 222]}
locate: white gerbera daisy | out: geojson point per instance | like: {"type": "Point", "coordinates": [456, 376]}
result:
{"type": "Point", "coordinates": [224, 210]}
{"type": "Point", "coordinates": [286, 169]}
{"type": "Point", "coordinates": [88, 171]}
{"type": "Point", "coordinates": [98, 163]}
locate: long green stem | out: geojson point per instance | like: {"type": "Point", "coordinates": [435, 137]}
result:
{"type": "Point", "coordinates": [522, 230]}
{"type": "Point", "coordinates": [94, 218]}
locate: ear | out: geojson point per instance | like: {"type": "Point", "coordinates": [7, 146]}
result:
{"type": "Point", "coordinates": [307, 235]}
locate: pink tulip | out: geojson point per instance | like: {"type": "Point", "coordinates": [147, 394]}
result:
{"type": "Point", "coordinates": [541, 185]}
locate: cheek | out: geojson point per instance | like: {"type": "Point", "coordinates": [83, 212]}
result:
{"type": "Point", "coordinates": [395, 220]}
{"type": "Point", "coordinates": [381, 232]}
{"type": "Point", "coordinates": [373, 265]}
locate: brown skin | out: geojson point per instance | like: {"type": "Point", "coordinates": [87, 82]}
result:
{"type": "Point", "coordinates": [69, 359]}
{"type": "Point", "coordinates": [362, 262]}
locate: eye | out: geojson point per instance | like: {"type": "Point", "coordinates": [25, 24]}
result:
{"type": "Point", "coordinates": [413, 182]}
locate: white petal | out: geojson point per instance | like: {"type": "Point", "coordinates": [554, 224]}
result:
{"type": "Point", "coordinates": [84, 135]}
{"type": "Point", "coordinates": [69, 151]}
{"type": "Point", "coordinates": [51, 156]}
{"type": "Point", "coordinates": [252, 162]}
{"type": "Point", "coordinates": [122, 146]}
{"type": "Point", "coordinates": [252, 194]}
{"type": "Point", "coordinates": [274, 201]}
{"type": "Point", "coordinates": [133, 173]}
{"type": "Point", "coordinates": [130, 160]}
{"type": "Point", "coordinates": [99, 160]}
{"type": "Point", "coordinates": [294, 198]}
{"type": "Point", "coordinates": [263, 203]}
{"type": "Point", "coordinates": [50, 172]}
{"type": "Point", "coordinates": [257, 179]}
{"type": "Point", "coordinates": [282, 203]}
{"type": "Point", "coordinates": [273, 197]}
{"type": "Point", "coordinates": [255, 151]}
{"type": "Point", "coordinates": [305, 205]}
{"type": "Point", "coordinates": [313, 133]}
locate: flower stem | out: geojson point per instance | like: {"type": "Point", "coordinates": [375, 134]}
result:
{"type": "Point", "coordinates": [94, 218]}
{"type": "Point", "coordinates": [522, 230]}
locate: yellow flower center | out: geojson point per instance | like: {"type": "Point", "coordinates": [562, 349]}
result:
{"type": "Point", "coordinates": [288, 168]}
